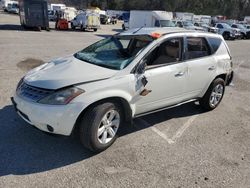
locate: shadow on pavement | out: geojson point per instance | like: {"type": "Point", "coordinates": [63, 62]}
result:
{"type": "Point", "coordinates": [185, 110]}
{"type": "Point", "coordinates": [26, 150]}
{"type": "Point", "coordinates": [11, 27]}
{"type": "Point", "coordinates": [118, 30]}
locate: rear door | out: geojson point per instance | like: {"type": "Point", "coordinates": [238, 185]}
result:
{"type": "Point", "coordinates": [201, 65]}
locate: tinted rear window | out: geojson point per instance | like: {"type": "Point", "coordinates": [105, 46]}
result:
{"type": "Point", "coordinates": [197, 47]}
{"type": "Point", "coordinates": [214, 43]}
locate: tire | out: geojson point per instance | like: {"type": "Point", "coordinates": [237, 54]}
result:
{"type": "Point", "coordinates": [123, 27]}
{"type": "Point", "coordinates": [214, 95]}
{"type": "Point", "coordinates": [95, 30]}
{"type": "Point", "coordinates": [73, 27]}
{"type": "Point", "coordinates": [94, 120]}
{"type": "Point", "coordinates": [243, 36]}
{"type": "Point", "coordinates": [82, 28]}
{"type": "Point", "coordinates": [226, 35]}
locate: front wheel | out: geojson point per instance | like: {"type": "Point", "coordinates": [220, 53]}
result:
{"type": "Point", "coordinates": [214, 95]}
{"type": "Point", "coordinates": [95, 29]}
{"type": "Point", "coordinates": [99, 126]}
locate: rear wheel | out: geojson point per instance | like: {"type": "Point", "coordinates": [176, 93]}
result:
{"type": "Point", "coordinates": [214, 95]}
{"type": "Point", "coordinates": [99, 126]}
{"type": "Point", "coordinates": [95, 29]}
{"type": "Point", "coordinates": [226, 35]}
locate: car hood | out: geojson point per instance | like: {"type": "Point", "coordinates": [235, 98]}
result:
{"type": "Point", "coordinates": [65, 72]}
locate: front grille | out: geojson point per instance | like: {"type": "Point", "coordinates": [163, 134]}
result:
{"type": "Point", "coordinates": [32, 93]}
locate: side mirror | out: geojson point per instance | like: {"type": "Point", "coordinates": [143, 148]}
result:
{"type": "Point", "coordinates": [141, 67]}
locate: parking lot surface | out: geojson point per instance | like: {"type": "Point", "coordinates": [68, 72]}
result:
{"type": "Point", "coordinates": [179, 147]}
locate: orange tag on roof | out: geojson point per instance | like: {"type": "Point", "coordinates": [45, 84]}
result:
{"type": "Point", "coordinates": [155, 35]}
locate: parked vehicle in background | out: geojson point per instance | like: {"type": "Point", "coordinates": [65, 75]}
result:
{"type": "Point", "coordinates": [202, 19]}
{"type": "Point", "coordinates": [139, 18]}
{"type": "Point", "coordinates": [206, 27]}
{"type": "Point", "coordinates": [59, 7]}
{"type": "Point", "coordinates": [4, 4]}
{"type": "Point", "coordinates": [88, 19]}
{"type": "Point", "coordinates": [184, 16]}
{"type": "Point", "coordinates": [245, 33]}
{"type": "Point", "coordinates": [52, 15]}
{"type": "Point", "coordinates": [125, 18]}
{"type": "Point", "coordinates": [113, 20]}
{"type": "Point", "coordinates": [189, 25]}
{"type": "Point", "coordinates": [247, 19]}
{"type": "Point", "coordinates": [70, 13]}
{"type": "Point", "coordinates": [218, 19]}
{"type": "Point", "coordinates": [96, 90]}
{"type": "Point", "coordinates": [125, 24]}
{"type": "Point", "coordinates": [103, 19]}
{"type": "Point", "coordinates": [13, 8]}
{"type": "Point", "coordinates": [226, 31]}
{"type": "Point", "coordinates": [34, 14]}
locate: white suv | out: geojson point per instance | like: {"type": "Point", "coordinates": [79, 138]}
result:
{"type": "Point", "coordinates": [122, 77]}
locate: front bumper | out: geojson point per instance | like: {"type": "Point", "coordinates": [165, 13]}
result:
{"type": "Point", "coordinates": [238, 35]}
{"type": "Point", "coordinates": [57, 119]}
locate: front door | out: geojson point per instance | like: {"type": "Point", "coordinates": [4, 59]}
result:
{"type": "Point", "coordinates": [166, 74]}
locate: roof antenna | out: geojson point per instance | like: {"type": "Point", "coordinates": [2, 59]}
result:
{"type": "Point", "coordinates": [138, 30]}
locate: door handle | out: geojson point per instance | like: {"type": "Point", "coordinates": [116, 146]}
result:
{"type": "Point", "coordinates": [211, 68]}
{"type": "Point", "coordinates": [179, 74]}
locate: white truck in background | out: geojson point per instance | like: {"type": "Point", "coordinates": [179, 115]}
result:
{"type": "Point", "coordinates": [57, 7]}
{"type": "Point", "coordinates": [184, 16]}
{"type": "Point", "coordinates": [88, 19]}
{"type": "Point", "coordinates": [141, 18]}
{"type": "Point", "coordinates": [202, 18]}
{"type": "Point", "coordinates": [247, 19]}
{"type": "Point", "coordinates": [70, 13]}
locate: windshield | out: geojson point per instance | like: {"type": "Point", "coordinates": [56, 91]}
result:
{"type": "Point", "coordinates": [204, 25]}
{"type": "Point", "coordinates": [114, 52]}
{"type": "Point", "coordinates": [241, 27]}
{"type": "Point", "coordinates": [167, 23]}
{"type": "Point", "coordinates": [226, 26]}
{"type": "Point", "coordinates": [188, 24]}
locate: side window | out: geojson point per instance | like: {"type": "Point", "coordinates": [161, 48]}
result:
{"type": "Point", "coordinates": [136, 45]}
{"type": "Point", "coordinates": [219, 26]}
{"type": "Point", "coordinates": [168, 52]}
{"type": "Point", "coordinates": [197, 47]}
{"type": "Point", "coordinates": [157, 23]}
{"type": "Point", "coordinates": [234, 26]}
{"type": "Point", "coordinates": [214, 43]}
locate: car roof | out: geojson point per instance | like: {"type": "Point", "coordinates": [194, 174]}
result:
{"type": "Point", "coordinates": [150, 30]}
{"type": "Point", "coordinates": [159, 30]}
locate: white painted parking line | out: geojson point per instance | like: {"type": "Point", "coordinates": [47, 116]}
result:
{"type": "Point", "coordinates": [182, 129]}
{"type": "Point", "coordinates": [161, 134]}
{"type": "Point", "coordinates": [177, 135]}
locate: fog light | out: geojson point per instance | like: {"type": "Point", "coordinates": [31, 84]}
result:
{"type": "Point", "coordinates": [50, 129]}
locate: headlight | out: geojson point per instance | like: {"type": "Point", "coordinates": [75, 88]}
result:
{"type": "Point", "coordinates": [62, 97]}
